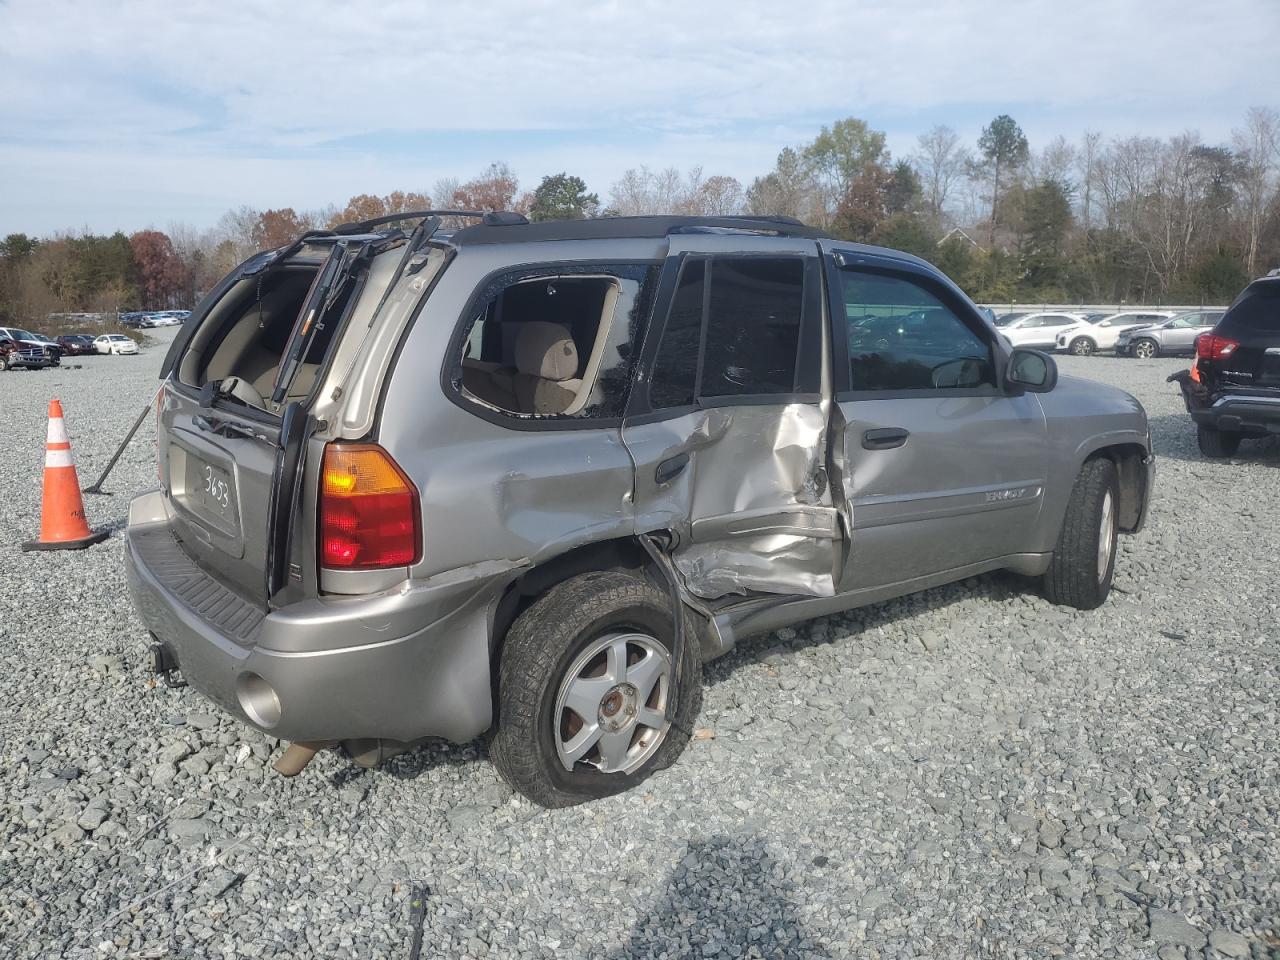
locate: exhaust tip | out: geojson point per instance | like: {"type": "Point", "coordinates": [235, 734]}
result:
{"type": "Point", "coordinates": [258, 699]}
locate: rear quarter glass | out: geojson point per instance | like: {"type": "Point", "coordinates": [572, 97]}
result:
{"type": "Point", "coordinates": [1256, 312]}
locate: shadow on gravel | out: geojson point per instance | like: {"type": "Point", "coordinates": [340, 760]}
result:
{"type": "Point", "coordinates": [1174, 438]}
{"type": "Point", "coordinates": [726, 892]}
{"type": "Point", "coordinates": [425, 758]}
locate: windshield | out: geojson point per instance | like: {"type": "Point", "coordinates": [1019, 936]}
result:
{"type": "Point", "coordinates": [1008, 318]}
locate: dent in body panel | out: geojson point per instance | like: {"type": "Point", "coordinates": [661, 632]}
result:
{"type": "Point", "coordinates": [752, 507]}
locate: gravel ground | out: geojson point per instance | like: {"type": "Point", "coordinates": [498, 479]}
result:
{"type": "Point", "coordinates": [967, 772]}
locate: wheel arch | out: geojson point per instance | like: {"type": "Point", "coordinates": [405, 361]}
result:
{"type": "Point", "coordinates": [1076, 338]}
{"type": "Point", "coordinates": [1131, 462]}
{"type": "Point", "coordinates": [620, 553]}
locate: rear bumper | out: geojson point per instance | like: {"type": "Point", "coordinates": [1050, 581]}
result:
{"type": "Point", "coordinates": [408, 663]}
{"type": "Point", "coordinates": [1237, 413]}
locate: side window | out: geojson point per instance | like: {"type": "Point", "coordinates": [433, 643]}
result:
{"type": "Point", "coordinates": [739, 338]}
{"type": "Point", "coordinates": [753, 327]}
{"type": "Point", "coordinates": [554, 345]}
{"type": "Point", "coordinates": [675, 371]}
{"type": "Point", "coordinates": [902, 337]}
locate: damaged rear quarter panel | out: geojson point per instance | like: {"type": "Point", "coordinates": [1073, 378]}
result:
{"type": "Point", "coordinates": [492, 491]}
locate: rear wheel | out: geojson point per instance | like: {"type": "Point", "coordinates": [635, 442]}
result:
{"type": "Point", "coordinates": [4, 361]}
{"type": "Point", "coordinates": [1083, 347]}
{"type": "Point", "coordinates": [1145, 349]}
{"type": "Point", "coordinates": [586, 676]}
{"type": "Point", "coordinates": [1215, 443]}
{"type": "Point", "coordinates": [1084, 561]}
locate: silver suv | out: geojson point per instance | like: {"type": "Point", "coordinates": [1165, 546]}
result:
{"type": "Point", "coordinates": [1173, 336]}
{"type": "Point", "coordinates": [526, 478]}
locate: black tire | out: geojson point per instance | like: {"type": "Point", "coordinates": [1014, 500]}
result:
{"type": "Point", "coordinates": [1151, 348]}
{"type": "Point", "coordinates": [4, 362]}
{"type": "Point", "coordinates": [1215, 443]}
{"type": "Point", "coordinates": [1083, 347]}
{"type": "Point", "coordinates": [542, 645]}
{"type": "Point", "coordinates": [1074, 578]}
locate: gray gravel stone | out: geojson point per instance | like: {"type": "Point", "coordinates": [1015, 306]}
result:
{"type": "Point", "coordinates": [1168, 927]}
{"type": "Point", "coordinates": [1228, 943]}
{"type": "Point", "coordinates": [889, 800]}
{"type": "Point", "coordinates": [92, 818]}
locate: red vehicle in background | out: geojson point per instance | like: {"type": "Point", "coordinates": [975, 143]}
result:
{"type": "Point", "coordinates": [15, 354]}
{"type": "Point", "coordinates": [77, 345]}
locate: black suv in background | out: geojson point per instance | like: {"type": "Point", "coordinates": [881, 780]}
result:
{"type": "Point", "coordinates": [1232, 390]}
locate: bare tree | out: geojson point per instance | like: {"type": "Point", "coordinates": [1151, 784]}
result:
{"type": "Point", "coordinates": [1056, 162]}
{"type": "Point", "coordinates": [940, 161]}
{"type": "Point", "coordinates": [237, 227]}
{"type": "Point", "coordinates": [1087, 165]}
{"type": "Point", "coordinates": [787, 191]}
{"type": "Point", "coordinates": [1257, 145]}
{"type": "Point", "coordinates": [645, 192]}
{"type": "Point", "coordinates": [717, 196]}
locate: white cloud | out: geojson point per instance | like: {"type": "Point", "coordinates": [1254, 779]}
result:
{"type": "Point", "coordinates": [201, 93]}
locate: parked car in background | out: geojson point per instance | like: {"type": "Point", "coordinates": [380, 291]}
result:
{"type": "Point", "coordinates": [33, 341]}
{"type": "Point", "coordinates": [532, 476]}
{"type": "Point", "coordinates": [77, 344]}
{"type": "Point", "coordinates": [50, 344]}
{"type": "Point", "coordinates": [1038, 330]}
{"type": "Point", "coordinates": [137, 320]}
{"type": "Point", "coordinates": [115, 343]}
{"type": "Point", "coordinates": [1084, 338]}
{"type": "Point", "coordinates": [16, 354]}
{"type": "Point", "coordinates": [1232, 390]}
{"type": "Point", "coordinates": [1173, 336]}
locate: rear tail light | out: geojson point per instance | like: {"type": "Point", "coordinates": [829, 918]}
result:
{"type": "Point", "coordinates": [370, 518]}
{"type": "Point", "coordinates": [1210, 347]}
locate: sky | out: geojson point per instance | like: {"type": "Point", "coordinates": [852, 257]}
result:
{"type": "Point", "coordinates": [140, 113]}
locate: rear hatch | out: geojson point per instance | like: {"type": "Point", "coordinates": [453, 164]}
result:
{"type": "Point", "coordinates": [1253, 325]}
{"type": "Point", "coordinates": [233, 416]}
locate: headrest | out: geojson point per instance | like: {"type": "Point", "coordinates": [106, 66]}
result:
{"type": "Point", "coordinates": [546, 350]}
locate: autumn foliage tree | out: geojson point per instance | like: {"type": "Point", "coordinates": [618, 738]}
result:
{"type": "Point", "coordinates": [366, 206]}
{"type": "Point", "coordinates": [275, 228]}
{"type": "Point", "coordinates": [162, 276]}
{"type": "Point", "coordinates": [495, 189]}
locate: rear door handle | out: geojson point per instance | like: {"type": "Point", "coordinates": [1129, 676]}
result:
{"type": "Point", "coordinates": [885, 438]}
{"type": "Point", "coordinates": [670, 468]}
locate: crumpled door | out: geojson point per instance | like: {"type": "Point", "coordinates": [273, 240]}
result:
{"type": "Point", "coordinates": [742, 482]}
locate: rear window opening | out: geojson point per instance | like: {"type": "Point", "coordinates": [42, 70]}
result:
{"type": "Point", "coordinates": [246, 334]}
{"type": "Point", "coordinates": [550, 347]}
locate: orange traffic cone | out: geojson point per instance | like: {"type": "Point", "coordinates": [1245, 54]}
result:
{"type": "Point", "coordinates": [62, 522]}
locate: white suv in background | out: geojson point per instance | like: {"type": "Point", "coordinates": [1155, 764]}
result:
{"type": "Point", "coordinates": [1089, 338]}
{"type": "Point", "coordinates": [1038, 330]}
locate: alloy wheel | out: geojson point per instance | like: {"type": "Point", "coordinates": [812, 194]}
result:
{"type": "Point", "coordinates": [611, 706]}
{"type": "Point", "coordinates": [1106, 535]}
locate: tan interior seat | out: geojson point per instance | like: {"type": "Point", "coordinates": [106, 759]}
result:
{"type": "Point", "coordinates": [546, 379]}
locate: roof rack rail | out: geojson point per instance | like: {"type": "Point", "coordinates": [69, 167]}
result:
{"type": "Point", "coordinates": [499, 229]}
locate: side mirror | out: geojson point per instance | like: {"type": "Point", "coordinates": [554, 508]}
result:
{"type": "Point", "coordinates": [1031, 370]}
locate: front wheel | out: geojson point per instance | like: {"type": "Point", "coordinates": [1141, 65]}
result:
{"type": "Point", "coordinates": [1083, 347]}
{"type": "Point", "coordinates": [586, 676]}
{"type": "Point", "coordinates": [1084, 561]}
{"type": "Point", "coordinates": [1146, 349]}
{"type": "Point", "coordinates": [1215, 443]}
